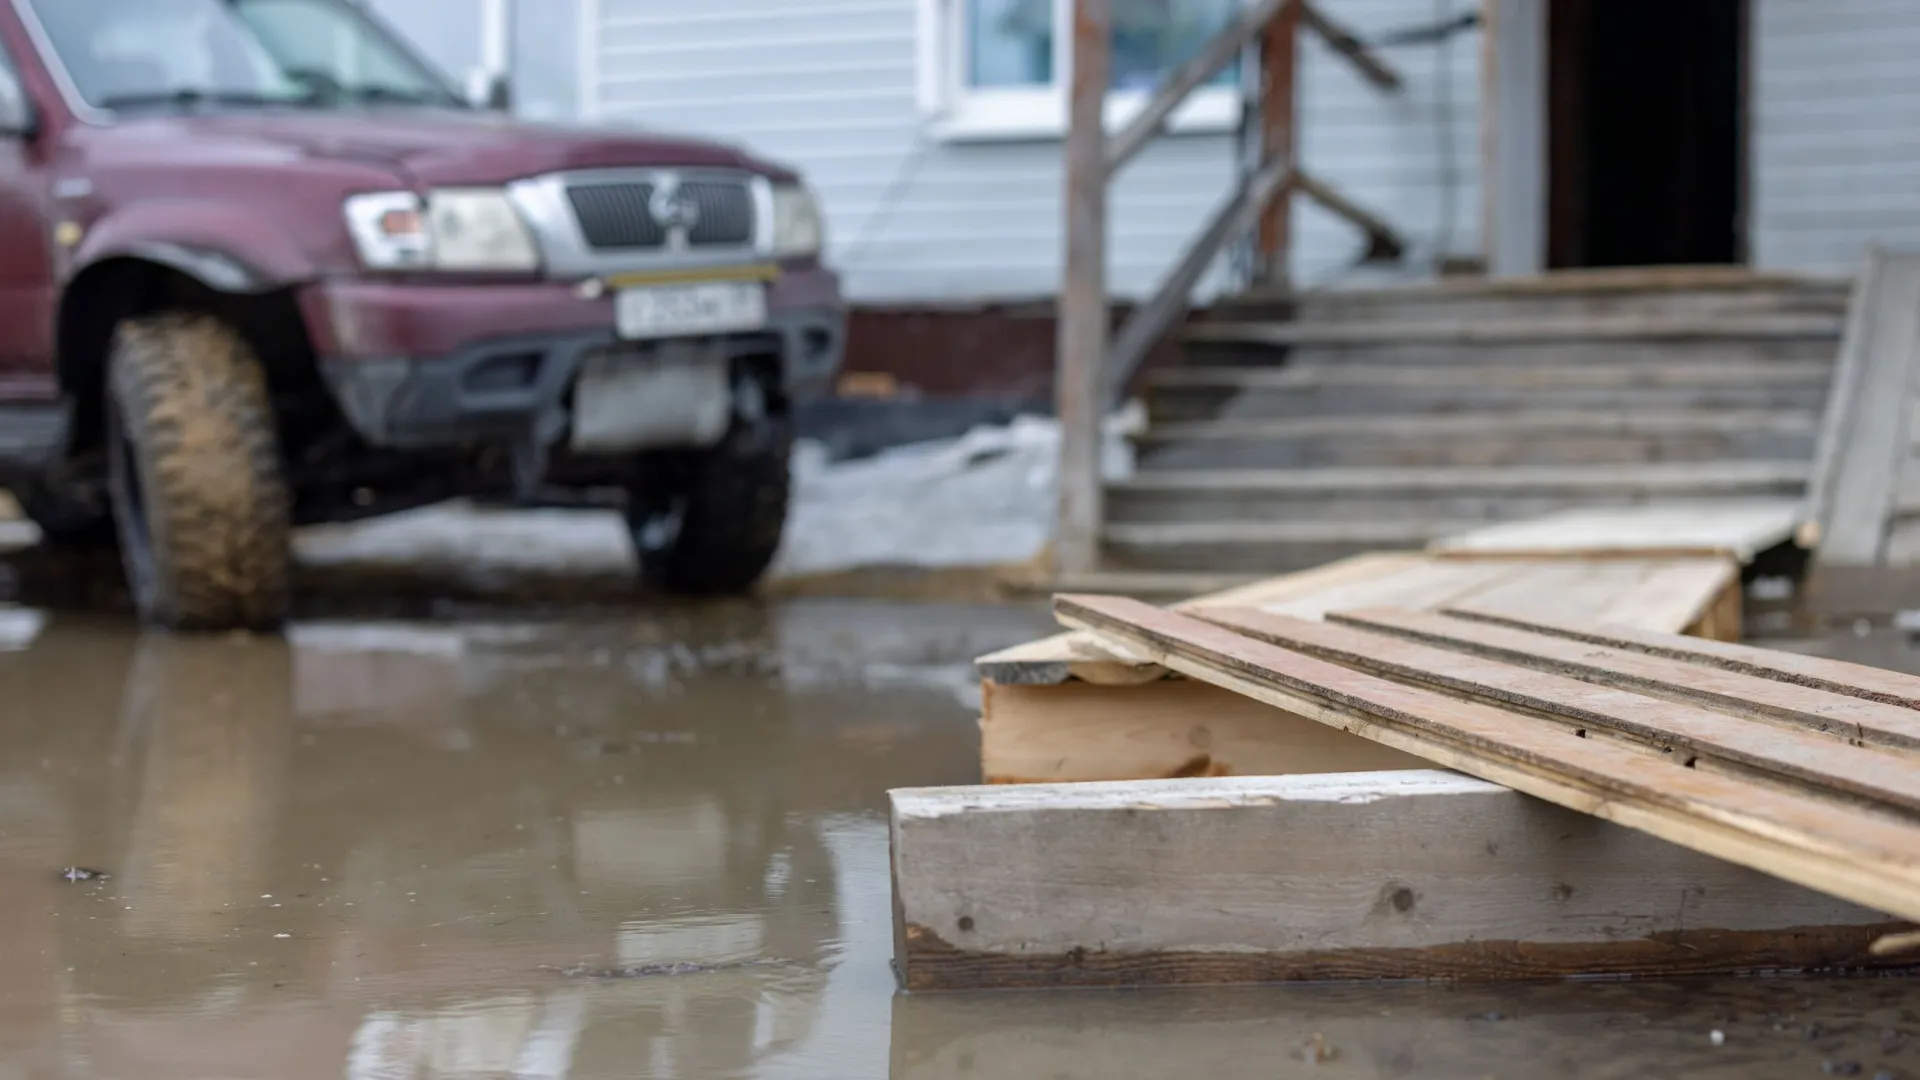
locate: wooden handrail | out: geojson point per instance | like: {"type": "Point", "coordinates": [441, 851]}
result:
{"type": "Point", "coordinates": [1383, 243]}
{"type": "Point", "coordinates": [1217, 53]}
{"type": "Point", "coordinates": [1179, 84]}
{"type": "Point", "coordinates": [1147, 323]}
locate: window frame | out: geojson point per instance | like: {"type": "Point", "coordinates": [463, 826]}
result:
{"type": "Point", "coordinates": [954, 112]}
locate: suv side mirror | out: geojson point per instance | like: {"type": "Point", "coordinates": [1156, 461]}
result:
{"type": "Point", "coordinates": [490, 90]}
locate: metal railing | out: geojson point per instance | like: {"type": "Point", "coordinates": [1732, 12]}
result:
{"type": "Point", "coordinates": [1091, 377]}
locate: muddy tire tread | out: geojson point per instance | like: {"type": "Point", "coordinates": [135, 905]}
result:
{"type": "Point", "coordinates": [194, 403]}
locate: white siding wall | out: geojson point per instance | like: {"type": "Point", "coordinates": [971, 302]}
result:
{"type": "Point", "coordinates": [1836, 130]}
{"type": "Point", "coordinates": [830, 87]}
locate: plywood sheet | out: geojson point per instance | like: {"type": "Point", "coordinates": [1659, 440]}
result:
{"type": "Point", "coordinates": [1737, 529]}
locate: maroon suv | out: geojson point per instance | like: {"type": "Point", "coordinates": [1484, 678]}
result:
{"type": "Point", "coordinates": [260, 266]}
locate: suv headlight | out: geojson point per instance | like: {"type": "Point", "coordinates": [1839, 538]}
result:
{"type": "Point", "coordinates": [452, 229]}
{"type": "Point", "coordinates": [797, 226]}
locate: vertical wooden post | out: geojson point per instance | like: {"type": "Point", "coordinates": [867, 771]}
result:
{"type": "Point", "coordinates": [1279, 116]}
{"type": "Point", "coordinates": [1082, 333]}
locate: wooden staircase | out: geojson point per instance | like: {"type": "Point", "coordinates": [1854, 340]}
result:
{"type": "Point", "coordinates": [1298, 430]}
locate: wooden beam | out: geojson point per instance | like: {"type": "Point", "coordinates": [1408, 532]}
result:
{"type": "Point", "coordinates": [1870, 430]}
{"type": "Point", "coordinates": [1817, 508]}
{"type": "Point", "coordinates": [1082, 345]}
{"type": "Point", "coordinates": [1867, 857]}
{"type": "Point", "coordinates": [1514, 137]}
{"type": "Point", "coordinates": [1343, 42]}
{"type": "Point", "coordinates": [1419, 874]}
{"type": "Point", "coordinates": [1279, 140]}
{"type": "Point", "coordinates": [1164, 729]}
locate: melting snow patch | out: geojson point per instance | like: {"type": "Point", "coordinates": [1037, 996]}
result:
{"type": "Point", "coordinates": [985, 498]}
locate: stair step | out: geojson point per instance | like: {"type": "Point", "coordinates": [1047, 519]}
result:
{"type": "Point", "coordinates": [1203, 393]}
{"type": "Point", "coordinates": [1641, 298]}
{"type": "Point", "coordinates": [1261, 547]}
{"type": "Point", "coordinates": [1378, 533]}
{"type": "Point", "coordinates": [1395, 377]}
{"type": "Point", "coordinates": [1471, 494]}
{"type": "Point", "coordinates": [1556, 437]}
{"type": "Point", "coordinates": [1514, 353]}
{"type": "Point", "coordinates": [1647, 480]}
{"type": "Point", "coordinates": [1773, 421]}
{"type": "Point", "coordinates": [1543, 329]}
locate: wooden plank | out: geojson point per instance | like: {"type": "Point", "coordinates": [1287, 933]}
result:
{"type": "Point", "coordinates": [1081, 335]}
{"type": "Point", "coordinates": [1842, 397]}
{"type": "Point", "coordinates": [1163, 729]}
{"type": "Point", "coordinates": [1670, 596]}
{"type": "Point", "coordinates": [1834, 676]}
{"type": "Point", "coordinates": [1562, 328]}
{"type": "Point", "coordinates": [1681, 594]}
{"type": "Point", "coordinates": [1700, 738]}
{"type": "Point", "coordinates": [1873, 432]}
{"type": "Point", "coordinates": [1868, 858]}
{"type": "Point", "coordinates": [1053, 660]}
{"type": "Point", "coordinates": [1737, 528]}
{"type": "Point", "coordinates": [1279, 140]}
{"type": "Point", "coordinates": [1417, 874]}
{"type": "Point", "coordinates": [1852, 717]}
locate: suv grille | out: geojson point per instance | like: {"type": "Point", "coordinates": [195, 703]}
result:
{"type": "Point", "coordinates": [620, 215]}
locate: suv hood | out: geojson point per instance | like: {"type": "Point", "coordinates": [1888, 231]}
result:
{"type": "Point", "coordinates": [432, 147]}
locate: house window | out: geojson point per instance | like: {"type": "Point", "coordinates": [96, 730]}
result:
{"type": "Point", "coordinates": [999, 69]}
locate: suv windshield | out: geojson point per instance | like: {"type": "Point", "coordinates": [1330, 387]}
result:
{"type": "Point", "coordinates": [125, 54]}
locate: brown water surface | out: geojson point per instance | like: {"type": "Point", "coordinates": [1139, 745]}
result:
{"type": "Point", "coordinates": [639, 845]}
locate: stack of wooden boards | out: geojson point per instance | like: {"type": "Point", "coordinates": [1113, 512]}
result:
{"type": "Point", "coordinates": [1771, 805]}
{"type": "Point", "coordinates": [1243, 788]}
{"type": "Point", "coordinates": [1068, 708]}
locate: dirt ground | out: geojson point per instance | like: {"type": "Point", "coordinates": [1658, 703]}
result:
{"type": "Point", "coordinates": [482, 837]}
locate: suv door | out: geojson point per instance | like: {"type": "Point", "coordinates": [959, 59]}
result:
{"type": "Point", "coordinates": [26, 256]}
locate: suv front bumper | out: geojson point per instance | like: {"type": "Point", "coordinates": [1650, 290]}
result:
{"type": "Point", "coordinates": [419, 366]}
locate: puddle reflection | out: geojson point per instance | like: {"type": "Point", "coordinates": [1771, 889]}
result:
{"type": "Point", "coordinates": [388, 851]}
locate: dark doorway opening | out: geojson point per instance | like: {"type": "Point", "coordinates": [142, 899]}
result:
{"type": "Point", "coordinates": [1646, 118]}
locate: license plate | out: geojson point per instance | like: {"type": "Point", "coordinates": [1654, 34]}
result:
{"type": "Point", "coordinates": [714, 307]}
{"type": "Point", "coordinates": [676, 396]}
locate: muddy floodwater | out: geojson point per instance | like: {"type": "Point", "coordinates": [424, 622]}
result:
{"type": "Point", "coordinates": [649, 844]}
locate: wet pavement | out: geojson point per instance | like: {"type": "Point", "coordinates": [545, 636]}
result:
{"type": "Point", "coordinates": [647, 843]}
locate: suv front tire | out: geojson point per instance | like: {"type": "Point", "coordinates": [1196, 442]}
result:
{"type": "Point", "coordinates": [199, 495]}
{"type": "Point", "coordinates": [709, 522]}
